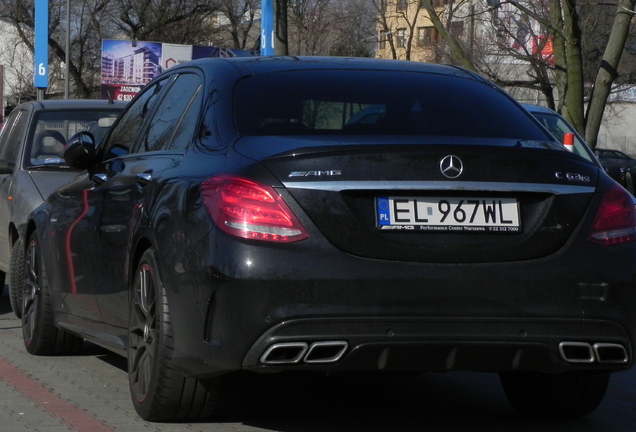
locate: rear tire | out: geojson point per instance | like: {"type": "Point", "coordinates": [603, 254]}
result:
{"type": "Point", "coordinates": [159, 391]}
{"type": "Point", "coordinates": [41, 337]}
{"type": "Point", "coordinates": [17, 277]}
{"type": "Point", "coordinates": [571, 394]}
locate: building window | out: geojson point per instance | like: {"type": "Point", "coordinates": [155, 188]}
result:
{"type": "Point", "coordinates": [382, 38]}
{"type": "Point", "coordinates": [401, 38]}
{"type": "Point", "coordinates": [427, 36]}
{"type": "Point", "coordinates": [457, 28]}
{"type": "Point", "coordinates": [402, 5]}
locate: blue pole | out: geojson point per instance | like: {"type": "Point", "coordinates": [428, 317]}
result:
{"type": "Point", "coordinates": [267, 28]}
{"type": "Point", "coordinates": [41, 44]}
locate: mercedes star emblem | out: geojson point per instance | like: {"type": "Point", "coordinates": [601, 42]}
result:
{"type": "Point", "coordinates": [451, 166]}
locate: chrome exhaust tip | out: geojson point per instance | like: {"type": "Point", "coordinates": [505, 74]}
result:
{"type": "Point", "coordinates": [610, 353]}
{"type": "Point", "coordinates": [326, 352]}
{"type": "Point", "coordinates": [285, 353]}
{"type": "Point", "coordinates": [577, 352]}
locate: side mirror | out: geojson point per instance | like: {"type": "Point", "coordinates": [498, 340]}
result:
{"type": "Point", "coordinates": [80, 150]}
{"type": "Point", "coordinates": [6, 166]}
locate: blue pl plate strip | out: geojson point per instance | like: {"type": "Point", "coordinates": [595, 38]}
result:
{"type": "Point", "coordinates": [384, 215]}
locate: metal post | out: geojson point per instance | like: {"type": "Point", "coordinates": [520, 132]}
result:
{"type": "Point", "coordinates": [267, 28]}
{"type": "Point", "coordinates": [41, 47]}
{"type": "Point", "coordinates": [67, 59]}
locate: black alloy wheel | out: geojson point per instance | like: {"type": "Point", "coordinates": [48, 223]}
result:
{"type": "Point", "coordinates": [41, 337]}
{"type": "Point", "coordinates": [159, 391]}
{"type": "Point", "coordinates": [143, 333]}
{"type": "Point", "coordinates": [32, 298]}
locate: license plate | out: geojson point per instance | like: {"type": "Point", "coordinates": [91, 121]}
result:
{"type": "Point", "coordinates": [448, 214]}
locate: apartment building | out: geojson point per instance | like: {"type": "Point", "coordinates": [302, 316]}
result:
{"type": "Point", "coordinates": [405, 31]}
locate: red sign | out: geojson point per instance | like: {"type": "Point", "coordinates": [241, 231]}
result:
{"type": "Point", "coordinates": [543, 46]}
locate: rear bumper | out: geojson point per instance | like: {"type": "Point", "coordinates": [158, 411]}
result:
{"type": "Point", "coordinates": [395, 316]}
{"type": "Point", "coordinates": [417, 345]}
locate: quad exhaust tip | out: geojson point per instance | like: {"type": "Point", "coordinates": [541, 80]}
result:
{"type": "Point", "coordinates": [297, 352]}
{"type": "Point", "coordinates": [583, 352]}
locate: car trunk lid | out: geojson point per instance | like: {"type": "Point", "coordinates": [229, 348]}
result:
{"type": "Point", "coordinates": [498, 203]}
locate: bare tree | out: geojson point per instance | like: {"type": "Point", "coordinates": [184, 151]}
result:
{"type": "Point", "coordinates": [398, 20]}
{"type": "Point", "coordinates": [330, 27]}
{"type": "Point", "coordinates": [558, 23]}
{"type": "Point", "coordinates": [281, 37]}
{"type": "Point", "coordinates": [608, 69]}
{"type": "Point", "coordinates": [171, 21]}
{"type": "Point", "coordinates": [310, 21]}
{"type": "Point", "coordinates": [17, 60]}
{"type": "Point", "coordinates": [237, 17]}
{"type": "Point", "coordinates": [385, 26]}
{"type": "Point", "coordinates": [353, 30]}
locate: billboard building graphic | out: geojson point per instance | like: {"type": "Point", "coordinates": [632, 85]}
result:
{"type": "Point", "coordinates": [127, 66]}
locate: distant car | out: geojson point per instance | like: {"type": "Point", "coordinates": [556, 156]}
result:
{"type": "Point", "coordinates": [32, 143]}
{"type": "Point", "coordinates": [617, 161]}
{"type": "Point", "coordinates": [239, 219]}
{"type": "Point", "coordinates": [558, 126]}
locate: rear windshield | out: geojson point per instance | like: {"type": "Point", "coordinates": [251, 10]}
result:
{"type": "Point", "coordinates": [377, 103]}
{"type": "Point", "coordinates": [53, 129]}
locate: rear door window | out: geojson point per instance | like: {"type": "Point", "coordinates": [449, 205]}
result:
{"type": "Point", "coordinates": [126, 130]}
{"type": "Point", "coordinates": [174, 116]}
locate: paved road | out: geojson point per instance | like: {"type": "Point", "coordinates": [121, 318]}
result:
{"type": "Point", "coordinates": [89, 393]}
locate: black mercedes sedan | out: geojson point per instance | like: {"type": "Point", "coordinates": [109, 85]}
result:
{"type": "Point", "coordinates": [334, 215]}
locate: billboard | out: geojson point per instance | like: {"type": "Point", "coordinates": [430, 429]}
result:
{"type": "Point", "coordinates": [127, 66]}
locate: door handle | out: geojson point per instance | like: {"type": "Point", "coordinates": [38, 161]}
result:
{"type": "Point", "coordinates": [144, 178]}
{"type": "Point", "coordinates": [99, 179]}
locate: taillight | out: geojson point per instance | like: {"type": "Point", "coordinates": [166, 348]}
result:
{"type": "Point", "coordinates": [615, 221]}
{"type": "Point", "coordinates": [252, 210]}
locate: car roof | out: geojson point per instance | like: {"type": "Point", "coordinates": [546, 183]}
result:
{"type": "Point", "coordinates": [255, 65]}
{"type": "Point", "coordinates": [54, 104]}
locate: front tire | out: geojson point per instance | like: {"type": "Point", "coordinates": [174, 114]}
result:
{"type": "Point", "coordinates": [159, 391]}
{"type": "Point", "coordinates": [561, 395]}
{"type": "Point", "coordinates": [17, 277]}
{"type": "Point", "coordinates": [41, 336]}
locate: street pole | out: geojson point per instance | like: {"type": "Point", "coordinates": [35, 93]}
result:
{"type": "Point", "coordinates": [67, 59]}
{"type": "Point", "coordinates": [267, 27]}
{"type": "Point", "coordinates": [41, 45]}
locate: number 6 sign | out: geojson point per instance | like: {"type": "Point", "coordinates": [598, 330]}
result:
{"type": "Point", "coordinates": [41, 79]}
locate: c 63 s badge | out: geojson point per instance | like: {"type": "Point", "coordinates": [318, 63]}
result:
{"type": "Point", "coordinates": [572, 177]}
{"type": "Point", "coordinates": [325, 173]}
